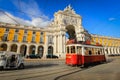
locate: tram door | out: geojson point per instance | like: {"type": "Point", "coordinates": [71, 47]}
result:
{"type": "Point", "coordinates": [79, 55]}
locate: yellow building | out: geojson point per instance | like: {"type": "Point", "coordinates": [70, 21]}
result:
{"type": "Point", "coordinates": [22, 39]}
{"type": "Point", "coordinates": [112, 45]}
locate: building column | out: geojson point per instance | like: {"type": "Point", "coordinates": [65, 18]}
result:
{"type": "Point", "coordinates": [61, 45]}
{"type": "Point", "coordinates": [36, 49]}
{"type": "Point", "coordinates": [114, 50]}
{"type": "Point", "coordinates": [57, 44]}
{"type": "Point", "coordinates": [54, 40]}
{"type": "Point", "coordinates": [64, 44]}
{"type": "Point", "coordinates": [118, 50]}
{"type": "Point", "coordinates": [109, 50]}
{"type": "Point", "coordinates": [8, 47]}
{"type": "Point", "coordinates": [58, 41]}
{"type": "Point", "coordinates": [105, 50]}
{"type": "Point", "coordinates": [45, 47]}
{"type": "Point", "coordinates": [18, 49]}
{"type": "Point", "coordinates": [27, 52]}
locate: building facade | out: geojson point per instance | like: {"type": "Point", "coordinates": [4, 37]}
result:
{"type": "Point", "coordinates": [52, 39]}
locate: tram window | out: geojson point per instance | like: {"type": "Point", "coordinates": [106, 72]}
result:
{"type": "Point", "coordinates": [93, 50]}
{"type": "Point", "coordinates": [86, 51]}
{"type": "Point", "coordinates": [90, 52]}
{"type": "Point", "coordinates": [98, 52]}
{"type": "Point", "coordinates": [73, 49]}
{"type": "Point", "coordinates": [67, 49]}
{"type": "Point", "coordinates": [79, 50]}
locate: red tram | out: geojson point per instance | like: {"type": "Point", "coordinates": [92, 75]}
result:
{"type": "Point", "coordinates": [80, 54]}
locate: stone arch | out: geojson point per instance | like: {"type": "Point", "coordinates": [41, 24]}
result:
{"type": "Point", "coordinates": [32, 49]}
{"type": "Point", "coordinates": [50, 50]}
{"type": "Point", "coordinates": [3, 47]}
{"type": "Point", "coordinates": [40, 51]}
{"type": "Point", "coordinates": [71, 32]}
{"type": "Point", "coordinates": [14, 48]}
{"type": "Point", "coordinates": [23, 49]}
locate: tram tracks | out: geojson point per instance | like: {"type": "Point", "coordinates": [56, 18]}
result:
{"type": "Point", "coordinates": [49, 73]}
{"type": "Point", "coordinates": [28, 71]}
{"type": "Point", "coordinates": [34, 73]}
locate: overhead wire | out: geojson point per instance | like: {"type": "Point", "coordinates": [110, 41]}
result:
{"type": "Point", "coordinates": [9, 16]}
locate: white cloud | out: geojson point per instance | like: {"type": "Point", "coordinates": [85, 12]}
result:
{"type": "Point", "coordinates": [40, 22]}
{"type": "Point", "coordinates": [112, 19]}
{"type": "Point", "coordinates": [4, 18]}
{"type": "Point", "coordinates": [9, 18]}
{"type": "Point", "coordinates": [32, 10]}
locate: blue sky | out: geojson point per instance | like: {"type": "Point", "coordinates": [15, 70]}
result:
{"type": "Point", "coordinates": [98, 16]}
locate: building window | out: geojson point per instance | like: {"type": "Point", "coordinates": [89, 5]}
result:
{"type": "Point", "coordinates": [41, 33]}
{"type": "Point", "coordinates": [33, 32]}
{"type": "Point", "coordinates": [25, 31]}
{"type": "Point", "coordinates": [16, 30]}
{"type": "Point", "coordinates": [7, 29]}
{"type": "Point", "coordinates": [15, 37]}
{"type": "Point", "coordinates": [5, 37]}
{"type": "Point", "coordinates": [41, 38]}
{"type": "Point", "coordinates": [33, 39]}
{"type": "Point", "coordinates": [24, 38]}
{"type": "Point", "coordinates": [50, 39]}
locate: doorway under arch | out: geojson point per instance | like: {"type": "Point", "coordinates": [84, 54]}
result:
{"type": "Point", "coordinates": [23, 50]}
{"type": "Point", "coordinates": [50, 50]}
{"type": "Point", "coordinates": [40, 51]}
{"type": "Point", "coordinates": [3, 47]}
{"type": "Point", "coordinates": [32, 49]}
{"type": "Point", "coordinates": [13, 48]}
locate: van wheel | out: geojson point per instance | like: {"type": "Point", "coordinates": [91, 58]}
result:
{"type": "Point", "coordinates": [21, 66]}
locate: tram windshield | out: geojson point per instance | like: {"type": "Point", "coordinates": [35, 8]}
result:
{"type": "Point", "coordinates": [71, 50]}
{"type": "Point", "coordinates": [74, 49]}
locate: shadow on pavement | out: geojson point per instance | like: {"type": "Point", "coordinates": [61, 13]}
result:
{"type": "Point", "coordinates": [31, 66]}
{"type": "Point", "coordinates": [84, 68]}
{"type": "Point", "coordinates": [40, 66]}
